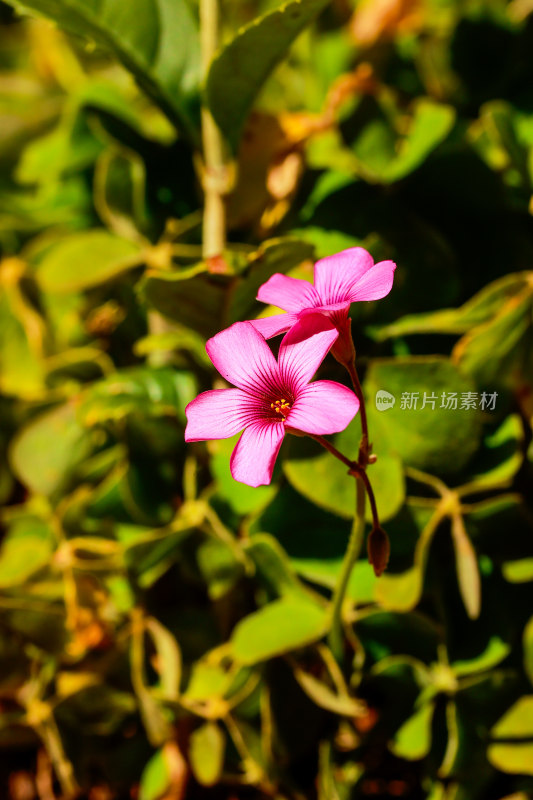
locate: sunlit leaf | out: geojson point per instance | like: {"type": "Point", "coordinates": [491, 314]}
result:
{"type": "Point", "coordinates": [413, 740]}
{"type": "Point", "coordinates": [144, 37]}
{"type": "Point", "coordinates": [273, 567]}
{"type": "Point", "coordinates": [48, 448]}
{"type": "Point", "coordinates": [86, 259]}
{"type": "Point", "coordinates": [239, 71]}
{"type": "Point", "coordinates": [25, 550]}
{"type": "Point", "coordinates": [467, 568]}
{"type": "Point", "coordinates": [325, 697]}
{"type": "Point", "coordinates": [495, 351]}
{"type": "Point", "coordinates": [516, 758]}
{"type": "Point", "coordinates": [322, 479]}
{"type": "Point", "coordinates": [431, 437]}
{"type": "Point", "coordinates": [206, 751]}
{"type": "Point", "coordinates": [429, 126]}
{"type": "Point", "coordinates": [219, 567]}
{"type": "Point", "coordinates": [206, 303]}
{"type": "Point", "coordinates": [481, 308]}
{"type": "Point", "coordinates": [242, 498]}
{"type": "Point", "coordinates": [519, 571]}
{"type": "Point", "coordinates": [151, 392]}
{"type": "Point", "coordinates": [517, 723]}
{"type": "Point", "coordinates": [494, 653]}
{"type": "Point", "coordinates": [279, 627]}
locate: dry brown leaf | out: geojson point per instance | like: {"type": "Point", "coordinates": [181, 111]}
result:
{"type": "Point", "coordinates": [383, 20]}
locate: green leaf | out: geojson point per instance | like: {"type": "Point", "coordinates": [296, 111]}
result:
{"type": "Point", "coordinates": [207, 303]}
{"type": "Point", "coordinates": [181, 339]}
{"type": "Point", "coordinates": [243, 499]}
{"type": "Point", "coordinates": [71, 146]}
{"type": "Point", "coordinates": [494, 353]}
{"type": "Point", "coordinates": [157, 40]}
{"type": "Point", "coordinates": [219, 567]}
{"type": "Point", "coordinates": [378, 154]}
{"type": "Point", "coordinates": [273, 566]}
{"type": "Point", "coordinates": [139, 390]}
{"type": "Point", "coordinates": [479, 309]}
{"type": "Point", "coordinates": [500, 457]}
{"type": "Point", "coordinates": [494, 653]}
{"type": "Point", "coordinates": [467, 567]}
{"type": "Point", "coordinates": [207, 682]}
{"type": "Point", "coordinates": [206, 751]}
{"type": "Point", "coordinates": [314, 539]}
{"type": "Point", "coordinates": [22, 335]}
{"type": "Point", "coordinates": [516, 759]}
{"type": "Point", "coordinates": [402, 591]}
{"type": "Point", "coordinates": [241, 68]}
{"type": "Point", "coordinates": [324, 480]}
{"type": "Point", "coordinates": [26, 549]}
{"type": "Point", "coordinates": [45, 452]}
{"type": "Point", "coordinates": [498, 137]}
{"type": "Point", "coordinates": [413, 740]}
{"type": "Point", "coordinates": [324, 697]}
{"type": "Point", "coordinates": [155, 779]}
{"type": "Point", "coordinates": [168, 658]}
{"type": "Point", "coordinates": [86, 259]}
{"type": "Point", "coordinates": [156, 719]}
{"type": "Point", "coordinates": [68, 147]}
{"type": "Point", "coordinates": [137, 492]}
{"type": "Point", "coordinates": [519, 571]}
{"type": "Point", "coordinates": [430, 125]}
{"type": "Point", "coordinates": [435, 439]}
{"type": "Point", "coordinates": [278, 628]}
{"type": "Point", "coordinates": [517, 723]}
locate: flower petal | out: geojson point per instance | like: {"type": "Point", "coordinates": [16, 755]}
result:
{"type": "Point", "coordinates": [219, 414]}
{"type": "Point", "coordinates": [323, 407]}
{"type": "Point", "coordinates": [252, 461]}
{"type": "Point", "coordinates": [303, 349]}
{"type": "Point", "coordinates": [291, 294]}
{"type": "Point", "coordinates": [375, 283]}
{"type": "Point", "coordinates": [243, 358]}
{"type": "Point", "coordinates": [271, 326]}
{"type": "Point", "coordinates": [336, 275]}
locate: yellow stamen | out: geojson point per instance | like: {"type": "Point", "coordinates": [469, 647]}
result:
{"type": "Point", "coordinates": [281, 407]}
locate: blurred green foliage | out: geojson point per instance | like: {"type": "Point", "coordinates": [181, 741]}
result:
{"type": "Point", "coordinates": [162, 627]}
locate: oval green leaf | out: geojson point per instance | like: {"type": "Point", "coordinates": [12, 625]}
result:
{"type": "Point", "coordinates": [278, 628]}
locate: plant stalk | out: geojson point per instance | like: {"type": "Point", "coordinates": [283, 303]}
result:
{"type": "Point", "coordinates": [356, 469]}
{"type": "Point", "coordinates": [364, 447]}
{"type": "Point", "coordinates": [215, 171]}
{"type": "Point", "coordinates": [353, 551]}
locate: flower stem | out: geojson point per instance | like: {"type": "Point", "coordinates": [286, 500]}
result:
{"type": "Point", "coordinates": [350, 557]}
{"type": "Point", "coordinates": [356, 469]}
{"type": "Point", "coordinates": [364, 447]}
{"type": "Point", "coordinates": [334, 452]}
{"type": "Point", "coordinates": [359, 472]}
{"type": "Point", "coordinates": [215, 171]}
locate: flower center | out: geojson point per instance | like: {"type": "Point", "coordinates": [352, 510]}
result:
{"type": "Point", "coordinates": [281, 407]}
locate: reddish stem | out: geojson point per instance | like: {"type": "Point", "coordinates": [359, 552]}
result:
{"type": "Point", "coordinates": [356, 469]}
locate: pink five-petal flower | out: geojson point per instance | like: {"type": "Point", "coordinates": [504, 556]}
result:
{"type": "Point", "coordinates": [271, 396]}
{"type": "Point", "coordinates": [339, 280]}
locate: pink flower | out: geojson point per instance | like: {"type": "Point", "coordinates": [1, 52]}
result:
{"type": "Point", "coordinates": [341, 279]}
{"type": "Point", "coordinates": [271, 397]}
